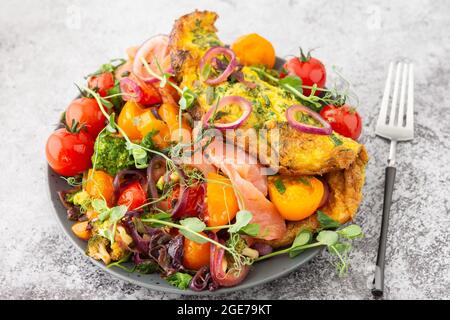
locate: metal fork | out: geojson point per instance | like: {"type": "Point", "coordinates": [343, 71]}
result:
{"type": "Point", "coordinates": [394, 125]}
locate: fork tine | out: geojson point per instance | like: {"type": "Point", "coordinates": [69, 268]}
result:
{"type": "Point", "coordinates": [394, 104]}
{"type": "Point", "coordinates": [385, 101]}
{"type": "Point", "coordinates": [410, 105]}
{"type": "Point", "coordinates": [402, 96]}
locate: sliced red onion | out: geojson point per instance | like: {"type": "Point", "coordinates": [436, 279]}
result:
{"type": "Point", "coordinates": [210, 55]}
{"type": "Point", "coordinates": [303, 127]}
{"type": "Point", "coordinates": [125, 177]}
{"type": "Point", "coordinates": [131, 90]}
{"type": "Point", "coordinates": [262, 248]}
{"type": "Point", "coordinates": [245, 105]}
{"type": "Point", "coordinates": [326, 193]}
{"type": "Point", "coordinates": [218, 265]}
{"type": "Point", "coordinates": [155, 47]}
{"type": "Point", "coordinates": [190, 201]}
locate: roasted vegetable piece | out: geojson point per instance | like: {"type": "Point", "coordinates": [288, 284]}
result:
{"type": "Point", "coordinates": [97, 249]}
{"type": "Point", "coordinates": [112, 154]}
{"type": "Point", "coordinates": [80, 229]}
{"type": "Point", "coordinates": [252, 49]}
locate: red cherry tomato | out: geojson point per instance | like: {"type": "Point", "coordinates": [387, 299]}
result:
{"type": "Point", "coordinates": [69, 153]}
{"type": "Point", "coordinates": [101, 83]}
{"type": "Point", "coordinates": [86, 111]}
{"type": "Point", "coordinates": [344, 120]}
{"type": "Point", "coordinates": [133, 196]}
{"type": "Point", "coordinates": [310, 70]}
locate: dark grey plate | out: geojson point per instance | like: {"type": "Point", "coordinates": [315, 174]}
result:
{"type": "Point", "coordinates": [261, 272]}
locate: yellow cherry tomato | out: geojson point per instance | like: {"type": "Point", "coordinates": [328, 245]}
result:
{"type": "Point", "coordinates": [169, 114]}
{"type": "Point", "coordinates": [296, 198]}
{"type": "Point", "coordinates": [147, 123]}
{"type": "Point", "coordinates": [252, 49]}
{"type": "Point", "coordinates": [99, 185]}
{"type": "Point", "coordinates": [221, 200]}
{"type": "Point", "coordinates": [195, 255]}
{"type": "Point", "coordinates": [129, 119]}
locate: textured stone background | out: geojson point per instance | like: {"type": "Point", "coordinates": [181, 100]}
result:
{"type": "Point", "coordinates": [45, 46]}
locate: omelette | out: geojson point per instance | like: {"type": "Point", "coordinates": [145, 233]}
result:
{"type": "Point", "coordinates": [337, 159]}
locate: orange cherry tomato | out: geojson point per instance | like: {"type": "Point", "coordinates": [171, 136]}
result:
{"type": "Point", "coordinates": [99, 185]}
{"type": "Point", "coordinates": [221, 200]}
{"type": "Point", "coordinates": [252, 49]}
{"type": "Point", "coordinates": [129, 119]}
{"type": "Point", "coordinates": [133, 196]}
{"type": "Point", "coordinates": [81, 231]}
{"type": "Point", "coordinates": [169, 113]}
{"type": "Point", "coordinates": [195, 255]}
{"type": "Point", "coordinates": [296, 198]}
{"type": "Point", "coordinates": [148, 123]}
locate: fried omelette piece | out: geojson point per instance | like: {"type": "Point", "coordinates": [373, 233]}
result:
{"type": "Point", "coordinates": [295, 152]}
{"type": "Point", "coordinates": [339, 160]}
{"type": "Point", "coordinates": [345, 196]}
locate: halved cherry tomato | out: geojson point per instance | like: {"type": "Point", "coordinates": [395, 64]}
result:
{"type": "Point", "coordinates": [80, 229]}
{"type": "Point", "coordinates": [221, 201]}
{"type": "Point", "coordinates": [69, 153]}
{"type": "Point", "coordinates": [169, 113]}
{"type": "Point", "coordinates": [252, 49]}
{"type": "Point", "coordinates": [343, 119]}
{"type": "Point", "coordinates": [133, 196]}
{"type": "Point", "coordinates": [148, 94]}
{"type": "Point", "coordinates": [148, 123]}
{"type": "Point", "coordinates": [195, 255]}
{"type": "Point", "coordinates": [99, 185]}
{"type": "Point", "coordinates": [129, 119]}
{"type": "Point", "coordinates": [295, 198]}
{"type": "Point", "coordinates": [101, 83]}
{"type": "Point", "coordinates": [309, 69]}
{"type": "Point", "coordinates": [86, 112]}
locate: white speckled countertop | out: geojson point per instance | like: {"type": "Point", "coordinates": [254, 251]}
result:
{"type": "Point", "coordinates": [46, 46]}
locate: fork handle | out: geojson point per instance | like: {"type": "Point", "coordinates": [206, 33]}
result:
{"type": "Point", "coordinates": [378, 282]}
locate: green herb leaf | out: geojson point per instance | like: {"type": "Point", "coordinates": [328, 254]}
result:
{"type": "Point", "coordinates": [195, 225]}
{"type": "Point", "coordinates": [292, 81]}
{"type": "Point", "coordinates": [326, 222]}
{"type": "Point", "coordinates": [111, 127]}
{"type": "Point", "coordinates": [243, 218]}
{"type": "Point", "coordinates": [117, 213]}
{"type": "Point", "coordinates": [335, 139]}
{"type": "Point", "coordinates": [351, 232]}
{"type": "Point", "coordinates": [147, 141]}
{"type": "Point", "coordinates": [100, 206]}
{"type": "Point", "coordinates": [147, 267]}
{"type": "Point", "coordinates": [187, 98]}
{"type": "Point", "coordinates": [305, 181]}
{"type": "Point", "coordinates": [180, 280]}
{"type": "Point", "coordinates": [302, 238]}
{"type": "Point", "coordinates": [252, 229]}
{"type": "Point", "coordinates": [205, 72]}
{"type": "Point", "coordinates": [327, 237]}
{"type": "Point", "coordinates": [280, 186]}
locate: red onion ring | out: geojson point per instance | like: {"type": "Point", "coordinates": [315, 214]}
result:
{"type": "Point", "coordinates": [326, 193]}
{"type": "Point", "coordinates": [245, 105]}
{"type": "Point", "coordinates": [145, 49]}
{"type": "Point", "coordinates": [303, 127]}
{"type": "Point", "coordinates": [190, 201]}
{"type": "Point", "coordinates": [212, 53]}
{"type": "Point", "coordinates": [132, 91]}
{"type": "Point", "coordinates": [219, 275]}
{"type": "Point", "coordinates": [122, 179]}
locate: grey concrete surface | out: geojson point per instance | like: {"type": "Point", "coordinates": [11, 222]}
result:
{"type": "Point", "coordinates": [46, 46]}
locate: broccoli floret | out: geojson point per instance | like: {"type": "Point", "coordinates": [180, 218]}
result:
{"type": "Point", "coordinates": [97, 249]}
{"type": "Point", "coordinates": [121, 239]}
{"type": "Point", "coordinates": [112, 154]}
